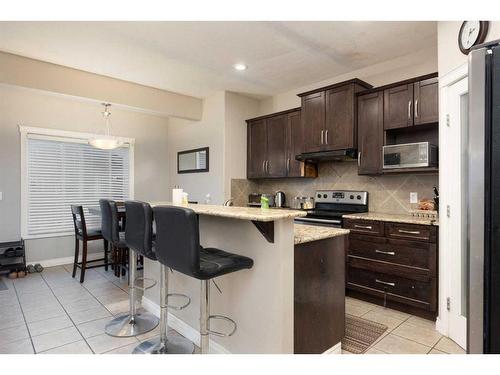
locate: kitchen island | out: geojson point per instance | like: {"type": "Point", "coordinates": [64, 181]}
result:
{"type": "Point", "coordinates": [260, 300]}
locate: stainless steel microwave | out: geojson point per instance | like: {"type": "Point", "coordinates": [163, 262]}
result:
{"type": "Point", "coordinates": [410, 155]}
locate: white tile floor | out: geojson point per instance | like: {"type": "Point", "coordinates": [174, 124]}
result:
{"type": "Point", "coordinates": [51, 312]}
{"type": "Point", "coordinates": [406, 334]}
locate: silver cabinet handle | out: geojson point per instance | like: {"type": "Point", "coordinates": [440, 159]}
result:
{"type": "Point", "coordinates": [288, 165]}
{"type": "Point", "coordinates": [264, 166]}
{"type": "Point", "coordinates": [384, 282]}
{"type": "Point", "coordinates": [363, 226]}
{"type": "Point", "coordinates": [359, 158]}
{"type": "Point", "coordinates": [385, 252]}
{"type": "Point", "coordinates": [416, 108]}
{"type": "Point", "coordinates": [322, 136]}
{"type": "Point", "coordinates": [409, 110]}
{"type": "Point", "coordinates": [326, 136]}
{"type": "Point", "coordinates": [267, 166]}
{"type": "Point", "coordinates": [409, 231]}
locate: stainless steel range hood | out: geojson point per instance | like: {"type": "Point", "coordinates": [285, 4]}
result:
{"type": "Point", "coordinates": [333, 155]}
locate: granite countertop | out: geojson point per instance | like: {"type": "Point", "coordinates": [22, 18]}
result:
{"type": "Point", "coordinates": [307, 233]}
{"type": "Point", "coordinates": [397, 218]}
{"type": "Point", "coordinates": [242, 213]}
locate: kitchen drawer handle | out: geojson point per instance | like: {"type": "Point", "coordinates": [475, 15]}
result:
{"type": "Point", "coordinates": [409, 110]}
{"type": "Point", "coordinates": [416, 108]}
{"type": "Point", "coordinates": [384, 282]}
{"type": "Point", "coordinates": [409, 231]}
{"type": "Point", "coordinates": [363, 226]}
{"type": "Point", "coordinates": [322, 136]}
{"type": "Point", "coordinates": [288, 165]}
{"type": "Point", "coordinates": [264, 166]}
{"type": "Point", "coordinates": [326, 136]}
{"type": "Point", "coordinates": [385, 252]}
{"type": "Point", "coordinates": [359, 158]}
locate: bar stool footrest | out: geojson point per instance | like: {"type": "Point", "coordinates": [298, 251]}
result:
{"type": "Point", "coordinates": [144, 287]}
{"type": "Point", "coordinates": [181, 307]}
{"type": "Point", "coordinates": [225, 318]}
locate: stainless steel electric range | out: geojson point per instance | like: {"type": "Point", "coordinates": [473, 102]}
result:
{"type": "Point", "coordinates": [331, 205]}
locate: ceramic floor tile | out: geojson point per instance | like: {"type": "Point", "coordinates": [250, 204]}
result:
{"type": "Point", "coordinates": [79, 317]}
{"type": "Point", "coordinates": [81, 305]}
{"type": "Point", "coordinates": [104, 343]}
{"type": "Point", "coordinates": [15, 333]}
{"type": "Point", "coordinates": [23, 346]}
{"type": "Point", "coordinates": [49, 325]}
{"type": "Point", "coordinates": [421, 322]}
{"type": "Point", "coordinates": [356, 310]}
{"type": "Point", "coordinates": [43, 314]}
{"type": "Point", "coordinates": [393, 344]}
{"type": "Point", "coordinates": [94, 327]}
{"type": "Point", "coordinates": [449, 346]}
{"type": "Point", "coordinates": [421, 335]}
{"type": "Point", "coordinates": [392, 313]}
{"type": "Point", "coordinates": [118, 307]}
{"type": "Point", "coordinates": [55, 339]}
{"type": "Point", "coordinates": [435, 351]}
{"type": "Point", "coordinates": [14, 321]}
{"type": "Point", "coordinates": [78, 347]}
{"type": "Point", "coordinates": [380, 317]}
{"type": "Point", "coordinates": [374, 351]}
{"type": "Point", "coordinates": [128, 349]}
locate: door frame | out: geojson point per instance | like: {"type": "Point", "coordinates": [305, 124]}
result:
{"type": "Point", "coordinates": [445, 254]}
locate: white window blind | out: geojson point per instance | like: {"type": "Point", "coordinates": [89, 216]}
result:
{"type": "Point", "coordinates": [62, 172]}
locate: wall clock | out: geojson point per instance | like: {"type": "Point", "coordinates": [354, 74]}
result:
{"type": "Point", "coordinates": [471, 33]}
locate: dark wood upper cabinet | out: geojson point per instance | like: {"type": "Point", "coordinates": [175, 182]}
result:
{"type": "Point", "coordinates": [276, 146]}
{"type": "Point", "coordinates": [256, 148]}
{"type": "Point", "coordinates": [295, 143]}
{"type": "Point", "coordinates": [398, 107]}
{"type": "Point", "coordinates": [370, 132]}
{"type": "Point", "coordinates": [426, 94]}
{"type": "Point", "coordinates": [329, 116]}
{"type": "Point", "coordinates": [313, 120]}
{"type": "Point", "coordinates": [273, 142]}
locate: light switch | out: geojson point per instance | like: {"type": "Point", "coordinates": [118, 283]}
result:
{"type": "Point", "coordinates": [413, 197]}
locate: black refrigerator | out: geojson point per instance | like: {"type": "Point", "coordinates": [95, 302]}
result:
{"type": "Point", "coordinates": [483, 318]}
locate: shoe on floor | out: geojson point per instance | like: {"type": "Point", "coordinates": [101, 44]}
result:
{"type": "Point", "coordinates": [38, 267]}
{"type": "Point", "coordinates": [30, 268]}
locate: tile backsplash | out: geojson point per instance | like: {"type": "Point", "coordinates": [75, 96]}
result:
{"type": "Point", "coordinates": [387, 193]}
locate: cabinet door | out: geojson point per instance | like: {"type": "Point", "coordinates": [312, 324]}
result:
{"type": "Point", "coordinates": [313, 120]}
{"type": "Point", "coordinates": [295, 144]}
{"type": "Point", "coordinates": [398, 107]}
{"type": "Point", "coordinates": [256, 148]}
{"type": "Point", "coordinates": [276, 146]}
{"type": "Point", "coordinates": [339, 128]}
{"type": "Point", "coordinates": [426, 102]}
{"type": "Point", "coordinates": [370, 133]}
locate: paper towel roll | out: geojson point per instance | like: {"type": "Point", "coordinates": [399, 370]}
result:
{"type": "Point", "coordinates": [177, 196]}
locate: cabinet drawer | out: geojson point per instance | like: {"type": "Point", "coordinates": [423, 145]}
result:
{"type": "Point", "coordinates": [410, 231]}
{"type": "Point", "coordinates": [403, 252]}
{"type": "Point", "coordinates": [374, 228]}
{"type": "Point", "coordinates": [413, 292]}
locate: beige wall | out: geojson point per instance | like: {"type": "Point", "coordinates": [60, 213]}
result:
{"type": "Point", "coordinates": [25, 72]}
{"type": "Point", "coordinates": [20, 106]}
{"type": "Point", "coordinates": [408, 66]}
{"type": "Point", "coordinates": [449, 55]}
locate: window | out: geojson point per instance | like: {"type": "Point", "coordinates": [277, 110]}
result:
{"type": "Point", "coordinates": [60, 171]}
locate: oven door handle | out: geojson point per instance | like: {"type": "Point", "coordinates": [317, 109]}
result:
{"type": "Point", "coordinates": [312, 220]}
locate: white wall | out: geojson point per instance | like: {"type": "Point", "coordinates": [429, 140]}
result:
{"type": "Point", "coordinates": [449, 55]}
{"type": "Point", "coordinates": [408, 66]}
{"type": "Point", "coordinates": [223, 129]}
{"type": "Point", "coordinates": [36, 108]}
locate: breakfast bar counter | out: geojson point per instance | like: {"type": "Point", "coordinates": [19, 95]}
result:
{"type": "Point", "coordinates": [261, 299]}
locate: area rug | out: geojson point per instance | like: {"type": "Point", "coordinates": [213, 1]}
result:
{"type": "Point", "coordinates": [2, 284]}
{"type": "Point", "coordinates": [360, 334]}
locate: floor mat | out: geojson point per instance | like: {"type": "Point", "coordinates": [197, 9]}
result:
{"type": "Point", "coordinates": [360, 334]}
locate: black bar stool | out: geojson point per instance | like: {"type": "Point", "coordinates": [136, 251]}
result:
{"type": "Point", "coordinates": [84, 234]}
{"type": "Point", "coordinates": [138, 238]}
{"type": "Point", "coordinates": [178, 247]}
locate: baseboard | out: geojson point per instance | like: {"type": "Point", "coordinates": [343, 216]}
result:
{"type": "Point", "coordinates": [66, 260]}
{"type": "Point", "coordinates": [441, 327]}
{"type": "Point", "coordinates": [336, 349]}
{"type": "Point", "coordinates": [182, 327]}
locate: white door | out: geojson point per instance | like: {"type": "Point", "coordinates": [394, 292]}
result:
{"type": "Point", "coordinates": [454, 207]}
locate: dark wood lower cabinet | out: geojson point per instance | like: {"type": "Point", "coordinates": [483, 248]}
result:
{"type": "Point", "coordinates": [319, 295]}
{"type": "Point", "coordinates": [396, 268]}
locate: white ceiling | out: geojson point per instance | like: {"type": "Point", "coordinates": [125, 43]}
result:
{"type": "Point", "coordinates": [196, 58]}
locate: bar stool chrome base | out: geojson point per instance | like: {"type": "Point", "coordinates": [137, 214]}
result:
{"type": "Point", "coordinates": [130, 326]}
{"type": "Point", "coordinates": [174, 345]}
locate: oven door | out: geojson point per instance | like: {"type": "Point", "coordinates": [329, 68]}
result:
{"type": "Point", "coordinates": [334, 223]}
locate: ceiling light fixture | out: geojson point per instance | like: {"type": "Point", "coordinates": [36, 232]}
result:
{"type": "Point", "coordinates": [106, 141]}
{"type": "Point", "coordinates": [240, 67]}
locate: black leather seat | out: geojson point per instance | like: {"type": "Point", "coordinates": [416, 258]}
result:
{"type": "Point", "coordinates": [110, 228]}
{"type": "Point", "coordinates": [178, 246]}
{"type": "Point", "coordinates": [139, 229]}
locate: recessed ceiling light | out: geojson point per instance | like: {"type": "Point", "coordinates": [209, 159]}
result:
{"type": "Point", "coordinates": [240, 67]}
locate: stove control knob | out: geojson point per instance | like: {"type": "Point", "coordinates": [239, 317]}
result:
{"type": "Point", "coordinates": [325, 196]}
{"type": "Point", "coordinates": [359, 197]}
{"type": "Point", "coordinates": [319, 195]}
{"type": "Point", "coordinates": [351, 197]}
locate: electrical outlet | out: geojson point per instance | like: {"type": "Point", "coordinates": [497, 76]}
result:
{"type": "Point", "coordinates": [413, 197]}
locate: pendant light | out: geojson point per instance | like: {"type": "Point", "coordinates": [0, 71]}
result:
{"type": "Point", "coordinates": [106, 141]}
